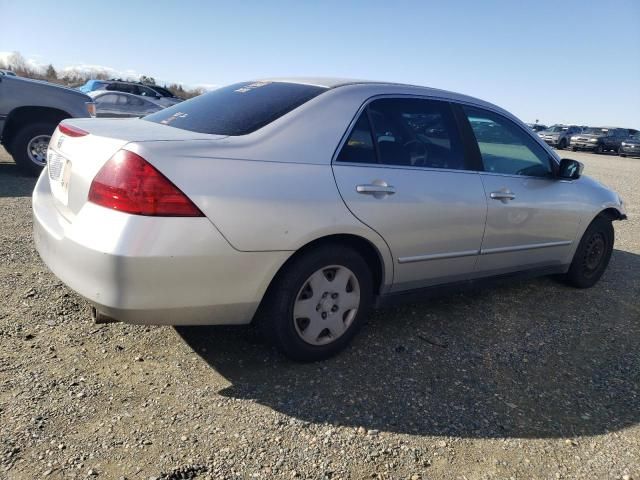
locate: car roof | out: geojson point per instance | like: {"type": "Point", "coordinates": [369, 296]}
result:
{"type": "Point", "coordinates": [99, 93]}
{"type": "Point", "coordinates": [382, 86]}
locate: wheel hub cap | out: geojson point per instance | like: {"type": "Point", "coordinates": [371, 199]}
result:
{"type": "Point", "coordinates": [37, 149]}
{"type": "Point", "coordinates": [326, 305]}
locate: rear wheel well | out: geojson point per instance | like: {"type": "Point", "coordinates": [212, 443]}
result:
{"type": "Point", "coordinates": [22, 116]}
{"type": "Point", "coordinates": [364, 247]}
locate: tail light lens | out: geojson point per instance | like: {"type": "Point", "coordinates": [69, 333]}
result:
{"type": "Point", "coordinates": [71, 131]}
{"type": "Point", "coordinates": [128, 183]}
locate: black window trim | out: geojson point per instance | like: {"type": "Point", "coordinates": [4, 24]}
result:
{"type": "Point", "coordinates": [470, 164]}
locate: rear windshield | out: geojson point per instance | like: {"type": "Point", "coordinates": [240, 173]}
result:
{"type": "Point", "coordinates": [237, 109]}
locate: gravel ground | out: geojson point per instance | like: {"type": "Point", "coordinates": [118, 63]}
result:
{"type": "Point", "coordinates": [528, 380]}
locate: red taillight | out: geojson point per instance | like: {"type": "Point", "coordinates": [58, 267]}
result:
{"type": "Point", "coordinates": [71, 131]}
{"type": "Point", "coordinates": [128, 183]}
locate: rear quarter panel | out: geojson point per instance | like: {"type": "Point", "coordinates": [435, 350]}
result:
{"type": "Point", "coordinates": [261, 205]}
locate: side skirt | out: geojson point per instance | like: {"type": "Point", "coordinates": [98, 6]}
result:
{"type": "Point", "coordinates": [420, 294]}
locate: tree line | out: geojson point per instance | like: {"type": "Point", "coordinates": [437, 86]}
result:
{"type": "Point", "coordinates": [71, 78]}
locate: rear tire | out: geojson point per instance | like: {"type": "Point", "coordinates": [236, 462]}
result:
{"type": "Point", "coordinates": [593, 254]}
{"type": "Point", "coordinates": [599, 149]}
{"type": "Point", "coordinates": [29, 147]}
{"type": "Point", "coordinates": [306, 315]}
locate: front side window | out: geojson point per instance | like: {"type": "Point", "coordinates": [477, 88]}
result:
{"type": "Point", "coordinates": [405, 132]}
{"type": "Point", "coordinates": [505, 148]}
{"type": "Point", "coordinates": [237, 109]}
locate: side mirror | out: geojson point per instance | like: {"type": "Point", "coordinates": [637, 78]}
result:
{"type": "Point", "coordinates": [570, 169]}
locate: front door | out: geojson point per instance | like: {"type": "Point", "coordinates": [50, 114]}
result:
{"type": "Point", "coordinates": [402, 171]}
{"type": "Point", "coordinates": [532, 217]}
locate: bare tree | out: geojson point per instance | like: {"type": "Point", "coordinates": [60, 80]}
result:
{"type": "Point", "coordinates": [51, 73]}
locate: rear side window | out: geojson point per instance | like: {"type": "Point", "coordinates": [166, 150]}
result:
{"type": "Point", "coordinates": [121, 87]}
{"type": "Point", "coordinates": [405, 132]}
{"type": "Point", "coordinates": [237, 109]}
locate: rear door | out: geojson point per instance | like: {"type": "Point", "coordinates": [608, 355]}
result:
{"type": "Point", "coordinates": [532, 217]}
{"type": "Point", "coordinates": [402, 171]}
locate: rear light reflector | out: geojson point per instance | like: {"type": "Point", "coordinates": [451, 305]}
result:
{"type": "Point", "coordinates": [128, 183]}
{"type": "Point", "coordinates": [91, 109]}
{"type": "Point", "coordinates": [71, 131]}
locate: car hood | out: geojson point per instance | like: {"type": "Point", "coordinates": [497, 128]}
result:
{"type": "Point", "coordinates": [549, 133]}
{"type": "Point", "coordinates": [29, 84]}
{"type": "Point", "coordinates": [632, 141]}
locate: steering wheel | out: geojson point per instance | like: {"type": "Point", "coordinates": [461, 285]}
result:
{"type": "Point", "coordinates": [419, 159]}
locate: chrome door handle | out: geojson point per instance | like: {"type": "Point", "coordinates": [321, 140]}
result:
{"type": "Point", "coordinates": [372, 188]}
{"type": "Point", "coordinates": [503, 196]}
{"type": "Point", "coordinates": [377, 189]}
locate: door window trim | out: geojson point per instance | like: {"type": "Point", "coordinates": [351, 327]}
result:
{"type": "Point", "coordinates": [453, 103]}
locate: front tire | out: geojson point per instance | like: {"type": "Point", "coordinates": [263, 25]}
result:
{"type": "Point", "coordinates": [29, 147]}
{"type": "Point", "coordinates": [599, 149]}
{"type": "Point", "coordinates": [593, 254]}
{"type": "Point", "coordinates": [318, 303]}
{"type": "Point", "coordinates": [563, 144]}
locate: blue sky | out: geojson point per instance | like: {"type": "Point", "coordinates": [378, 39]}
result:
{"type": "Point", "coordinates": [557, 61]}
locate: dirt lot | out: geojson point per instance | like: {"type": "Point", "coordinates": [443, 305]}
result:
{"type": "Point", "coordinates": [528, 380]}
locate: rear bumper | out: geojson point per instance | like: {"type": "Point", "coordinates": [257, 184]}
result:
{"type": "Point", "coordinates": [151, 270]}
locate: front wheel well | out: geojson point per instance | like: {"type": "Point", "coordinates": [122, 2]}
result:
{"type": "Point", "coordinates": [612, 214]}
{"type": "Point", "coordinates": [21, 116]}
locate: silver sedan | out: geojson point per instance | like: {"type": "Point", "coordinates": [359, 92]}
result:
{"type": "Point", "coordinates": [299, 204]}
{"type": "Point", "coordinates": [120, 104]}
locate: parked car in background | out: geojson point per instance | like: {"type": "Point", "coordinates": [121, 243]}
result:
{"type": "Point", "coordinates": [144, 91]}
{"type": "Point", "coordinates": [599, 139]}
{"type": "Point", "coordinates": [29, 113]}
{"type": "Point", "coordinates": [92, 85]}
{"type": "Point", "coordinates": [559, 136]}
{"type": "Point", "coordinates": [630, 146]}
{"type": "Point", "coordinates": [120, 104]}
{"type": "Point", "coordinates": [406, 190]}
{"type": "Point", "coordinates": [7, 72]}
{"type": "Point", "coordinates": [159, 94]}
{"type": "Point", "coordinates": [536, 127]}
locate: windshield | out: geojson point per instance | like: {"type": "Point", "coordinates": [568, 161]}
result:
{"type": "Point", "coordinates": [237, 109]}
{"type": "Point", "coordinates": [595, 131]}
{"type": "Point", "coordinates": [635, 137]}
